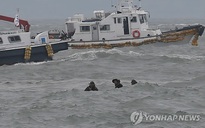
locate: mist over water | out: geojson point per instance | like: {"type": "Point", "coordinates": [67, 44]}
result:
{"type": "Point", "coordinates": [51, 94]}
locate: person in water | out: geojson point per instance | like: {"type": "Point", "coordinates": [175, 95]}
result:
{"type": "Point", "coordinates": [117, 83]}
{"type": "Point", "coordinates": [91, 87]}
{"type": "Point", "coordinates": [133, 82]}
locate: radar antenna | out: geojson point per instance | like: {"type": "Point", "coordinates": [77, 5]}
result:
{"type": "Point", "coordinates": [140, 5]}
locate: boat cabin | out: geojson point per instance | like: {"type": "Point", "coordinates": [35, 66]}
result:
{"type": "Point", "coordinates": [10, 39]}
{"type": "Point", "coordinates": [127, 21]}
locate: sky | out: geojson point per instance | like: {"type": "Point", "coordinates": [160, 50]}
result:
{"type": "Point", "coordinates": [61, 9]}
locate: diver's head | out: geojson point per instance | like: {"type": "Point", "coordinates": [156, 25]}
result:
{"type": "Point", "coordinates": [133, 82]}
{"type": "Point", "coordinates": [115, 81]}
{"type": "Point", "coordinates": [92, 84]}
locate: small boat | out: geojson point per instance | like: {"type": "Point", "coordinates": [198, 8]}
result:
{"type": "Point", "coordinates": [16, 45]}
{"type": "Point", "coordinates": [126, 26]}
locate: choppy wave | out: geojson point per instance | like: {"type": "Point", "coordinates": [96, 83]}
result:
{"type": "Point", "coordinates": [31, 63]}
{"type": "Point", "coordinates": [184, 57]}
{"type": "Point", "coordinates": [90, 55]}
{"type": "Point", "coordinates": [97, 54]}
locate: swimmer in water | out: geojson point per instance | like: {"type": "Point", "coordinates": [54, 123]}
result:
{"type": "Point", "coordinates": [117, 83]}
{"type": "Point", "coordinates": [133, 82]}
{"type": "Point", "coordinates": [91, 87]}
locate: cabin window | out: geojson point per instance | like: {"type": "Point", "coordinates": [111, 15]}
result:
{"type": "Point", "coordinates": [84, 28]}
{"type": "Point", "coordinates": [1, 41]}
{"type": "Point", "coordinates": [134, 19]}
{"type": "Point", "coordinates": [54, 34]}
{"type": "Point", "coordinates": [143, 18]}
{"type": "Point", "coordinates": [119, 20]}
{"type": "Point", "coordinates": [105, 28]}
{"type": "Point", "coordinates": [13, 39]}
{"type": "Point", "coordinates": [115, 20]}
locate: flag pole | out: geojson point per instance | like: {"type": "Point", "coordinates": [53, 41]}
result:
{"type": "Point", "coordinates": [16, 19]}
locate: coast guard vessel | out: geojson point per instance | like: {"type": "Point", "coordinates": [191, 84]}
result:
{"type": "Point", "coordinates": [126, 26]}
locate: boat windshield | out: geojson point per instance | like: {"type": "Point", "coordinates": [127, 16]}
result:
{"type": "Point", "coordinates": [143, 18]}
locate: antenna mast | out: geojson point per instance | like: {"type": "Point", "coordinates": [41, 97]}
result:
{"type": "Point", "coordinates": [140, 4]}
{"type": "Point", "coordinates": [112, 3]}
{"type": "Point", "coordinates": [16, 19]}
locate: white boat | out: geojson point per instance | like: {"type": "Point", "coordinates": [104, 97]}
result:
{"type": "Point", "coordinates": [126, 26]}
{"type": "Point", "coordinates": [16, 46]}
{"type": "Point", "coordinates": [126, 22]}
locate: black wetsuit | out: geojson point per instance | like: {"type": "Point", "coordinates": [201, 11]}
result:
{"type": "Point", "coordinates": [118, 85]}
{"type": "Point", "coordinates": [91, 89]}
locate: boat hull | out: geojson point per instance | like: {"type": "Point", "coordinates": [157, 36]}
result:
{"type": "Point", "coordinates": [178, 36]}
{"type": "Point", "coordinates": [38, 53]}
{"type": "Point", "coordinates": [187, 39]}
{"type": "Point", "coordinates": [115, 41]}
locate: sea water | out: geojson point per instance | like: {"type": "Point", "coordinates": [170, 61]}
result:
{"type": "Point", "coordinates": [171, 81]}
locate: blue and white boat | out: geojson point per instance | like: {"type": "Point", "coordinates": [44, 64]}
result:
{"type": "Point", "coordinates": [16, 45]}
